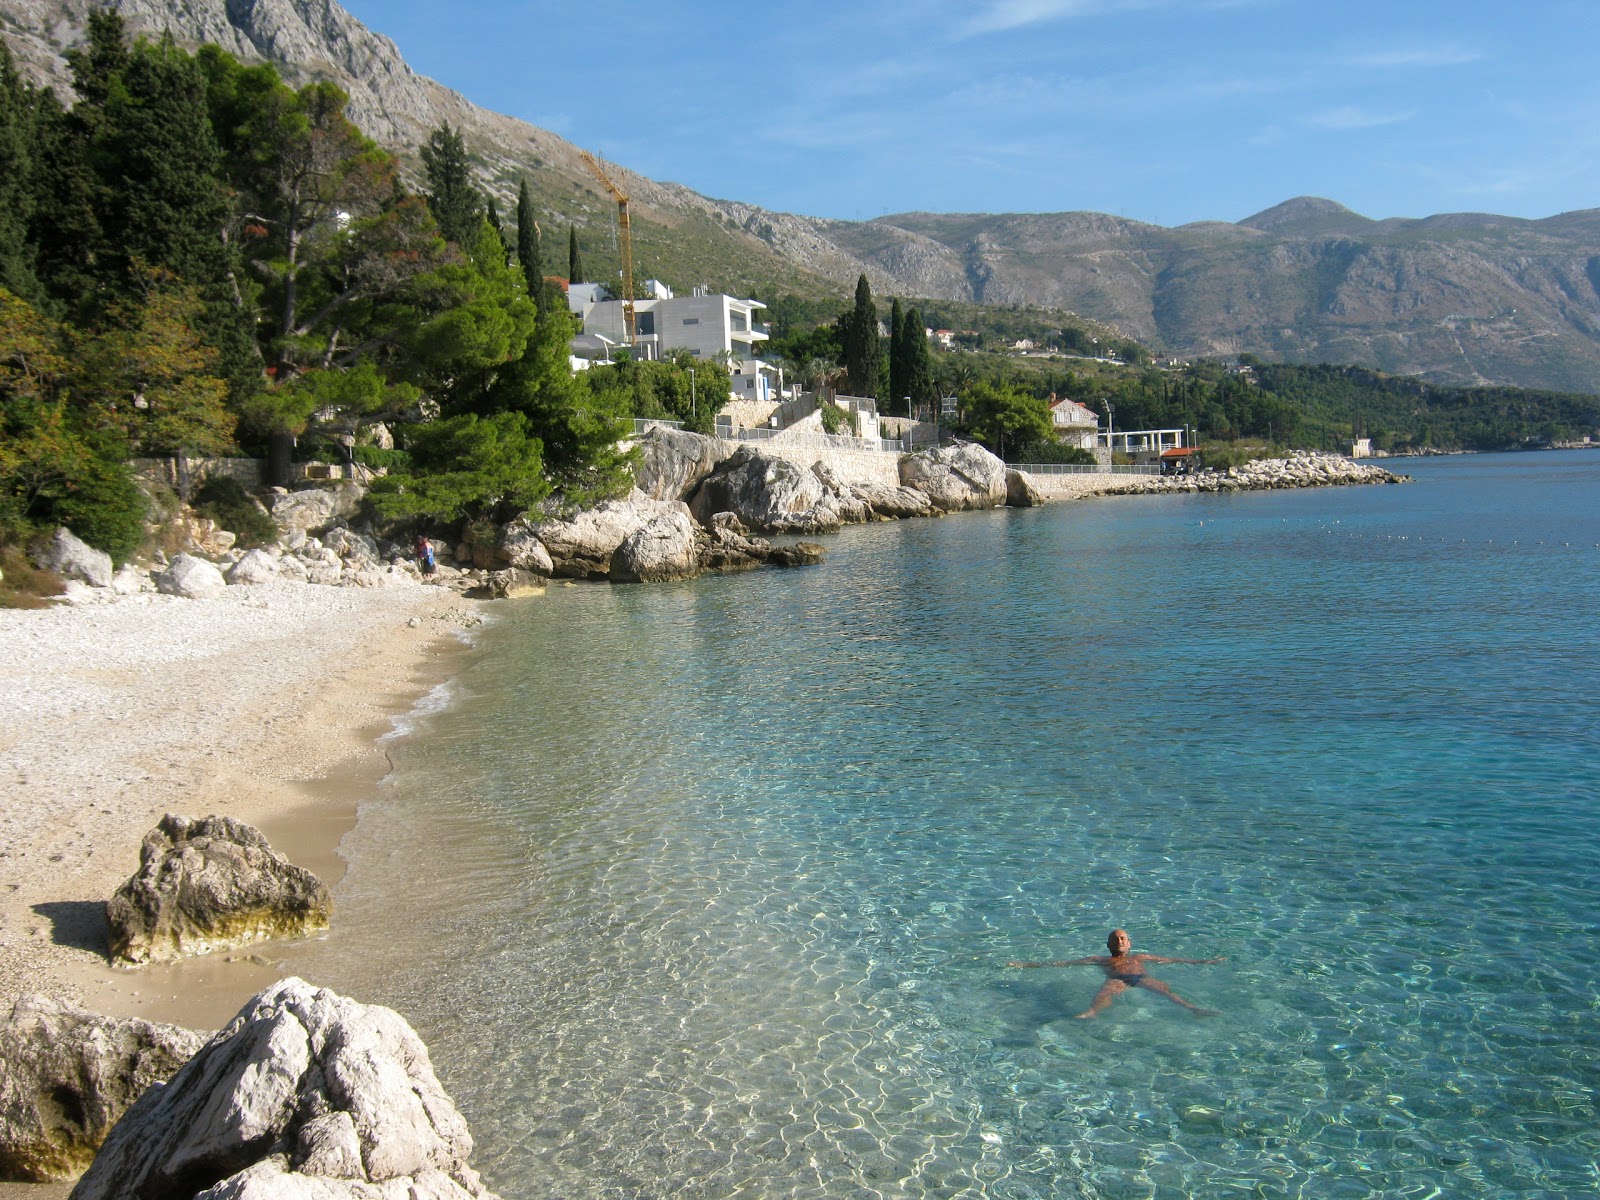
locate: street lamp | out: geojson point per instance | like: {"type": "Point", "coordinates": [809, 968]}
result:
{"type": "Point", "coordinates": [1111, 427]}
{"type": "Point", "coordinates": [691, 394]}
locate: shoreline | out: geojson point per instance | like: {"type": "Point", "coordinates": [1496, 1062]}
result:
{"type": "Point", "coordinates": [267, 704]}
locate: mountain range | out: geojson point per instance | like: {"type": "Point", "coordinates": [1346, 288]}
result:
{"type": "Point", "coordinates": [1459, 298]}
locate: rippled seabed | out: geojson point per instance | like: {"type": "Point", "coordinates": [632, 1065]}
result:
{"type": "Point", "coordinates": [708, 890]}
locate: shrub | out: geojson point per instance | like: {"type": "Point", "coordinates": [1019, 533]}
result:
{"type": "Point", "coordinates": [24, 585]}
{"type": "Point", "coordinates": [227, 502]}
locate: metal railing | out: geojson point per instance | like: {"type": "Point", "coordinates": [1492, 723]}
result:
{"type": "Point", "coordinates": [836, 441]}
{"type": "Point", "coordinates": [1086, 468]}
{"type": "Point", "coordinates": [641, 424]}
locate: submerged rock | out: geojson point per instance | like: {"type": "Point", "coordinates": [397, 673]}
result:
{"type": "Point", "coordinates": [66, 1077]}
{"type": "Point", "coordinates": [209, 884]}
{"type": "Point", "coordinates": [304, 1094]}
{"type": "Point", "coordinates": [1021, 491]}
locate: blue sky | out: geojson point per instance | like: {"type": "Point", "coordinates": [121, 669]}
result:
{"type": "Point", "coordinates": [1165, 111]}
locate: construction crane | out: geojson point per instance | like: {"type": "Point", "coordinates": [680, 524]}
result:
{"type": "Point", "coordinates": [629, 319]}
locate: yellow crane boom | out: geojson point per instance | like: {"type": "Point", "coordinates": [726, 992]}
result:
{"type": "Point", "coordinates": [625, 235]}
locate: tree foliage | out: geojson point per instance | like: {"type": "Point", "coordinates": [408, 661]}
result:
{"type": "Point", "coordinates": [453, 198]}
{"type": "Point", "coordinates": [860, 337]}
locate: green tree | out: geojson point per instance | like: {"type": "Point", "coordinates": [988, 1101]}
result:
{"type": "Point", "coordinates": [574, 259]}
{"type": "Point", "coordinates": [529, 251]}
{"type": "Point", "coordinates": [897, 351]}
{"type": "Point", "coordinates": [1004, 417]}
{"type": "Point", "coordinates": [467, 465]}
{"type": "Point", "coordinates": [861, 349]}
{"type": "Point", "coordinates": [18, 184]}
{"type": "Point", "coordinates": [917, 362]}
{"type": "Point", "coordinates": [452, 196]}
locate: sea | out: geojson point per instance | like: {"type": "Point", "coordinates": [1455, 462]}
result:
{"type": "Point", "coordinates": [709, 890]}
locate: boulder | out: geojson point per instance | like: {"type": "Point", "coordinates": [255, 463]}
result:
{"type": "Point", "coordinates": [956, 477]}
{"type": "Point", "coordinates": [582, 545]}
{"type": "Point", "coordinates": [292, 568]}
{"type": "Point", "coordinates": [72, 558]}
{"type": "Point", "coordinates": [130, 581]}
{"type": "Point", "coordinates": [315, 509]}
{"type": "Point", "coordinates": [767, 493]}
{"type": "Point", "coordinates": [356, 549]}
{"type": "Point", "coordinates": [257, 566]}
{"type": "Point", "coordinates": [209, 884]}
{"type": "Point", "coordinates": [192, 578]}
{"type": "Point", "coordinates": [191, 533]}
{"type": "Point", "coordinates": [1021, 492]}
{"type": "Point", "coordinates": [68, 1075]}
{"type": "Point", "coordinates": [515, 584]}
{"type": "Point", "coordinates": [674, 462]}
{"type": "Point", "coordinates": [521, 548]}
{"type": "Point", "coordinates": [663, 550]}
{"type": "Point", "coordinates": [304, 1094]}
{"type": "Point", "coordinates": [894, 503]}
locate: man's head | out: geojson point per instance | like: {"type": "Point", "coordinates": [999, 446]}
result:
{"type": "Point", "coordinates": [1119, 942]}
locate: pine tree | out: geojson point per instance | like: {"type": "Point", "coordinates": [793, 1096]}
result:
{"type": "Point", "coordinates": [455, 202]}
{"type": "Point", "coordinates": [861, 350]}
{"type": "Point", "coordinates": [574, 260]}
{"type": "Point", "coordinates": [529, 251]}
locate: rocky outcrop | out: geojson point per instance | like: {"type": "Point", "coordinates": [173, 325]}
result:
{"type": "Point", "coordinates": [1021, 491]}
{"type": "Point", "coordinates": [514, 583]}
{"type": "Point", "coordinates": [209, 884]}
{"type": "Point", "coordinates": [521, 548]}
{"type": "Point", "coordinates": [582, 545]}
{"type": "Point", "coordinates": [955, 478]}
{"type": "Point", "coordinates": [304, 1094]}
{"type": "Point", "coordinates": [192, 578]}
{"type": "Point", "coordinates": [68, 1075]}
{"type": "Point", "coordinates": [662, 551]}
{"type": "Point", "coordinates": [767, 493]}
{"type": "Point", "coordinates": [315, 509]}
{"type": "Point", "coordinates": [674, 463]}
{"type": "Point", "coordinates": [71, 558]}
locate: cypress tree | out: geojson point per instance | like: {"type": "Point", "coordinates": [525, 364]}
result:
{"type": "Point", "coordinates": [529, 252]}
{"type": "Point", "coordinates": [452, 198]}
{"type": "Point", "coordinates": [918, 362]}
{"type": "Point", "coordinates": [574, 260]}
{"type": "Point", "coordinates": [861, 351]}
{"type": "Point", "coordinates": [897, 351]}
{"type": "Point", "coordinates": [493, 217]}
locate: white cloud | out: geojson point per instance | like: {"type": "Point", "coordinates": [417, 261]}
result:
{"type": "Point", "coordinates": [1351, 117]}
{"type": "Point", "coordinates": [997, 16]}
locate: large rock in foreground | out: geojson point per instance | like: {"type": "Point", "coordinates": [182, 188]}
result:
{"type": "Point", "coordinates": [305, 1094]}
{"type": "Point", "coordinates": [207, 885]}
{"type": "Point", "coordinates": [68, 1075]}
{"type": "Point", "coordinates": [767, 493]}
{"type": "Point", "coordinates": [192, 578]}
{"type": "Point", "coordinates": [956, 477]}
{"type": "Point", "coordinates": [581, 546]}
{"type": "Point", "coordinates": [673, 462]}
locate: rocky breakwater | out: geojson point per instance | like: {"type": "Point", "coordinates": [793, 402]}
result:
{"type": "Point", "coordinates": [1302, 469]}
{"type": "Point", "coordinates": [305, 1093]}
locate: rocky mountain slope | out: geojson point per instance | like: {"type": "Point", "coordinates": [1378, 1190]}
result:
{"type": "Point", "coordinates": [1464, 298]}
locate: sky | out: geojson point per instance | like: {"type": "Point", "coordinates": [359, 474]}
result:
{"type": "Point", "coordinates": [1164, 111]}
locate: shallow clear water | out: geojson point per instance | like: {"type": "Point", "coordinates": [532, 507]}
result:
{"type": "Point", "coordinates": [708, 890]}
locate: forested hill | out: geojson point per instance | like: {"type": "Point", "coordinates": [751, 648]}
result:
{"type": "Point", "coordinates": [1461, 299]}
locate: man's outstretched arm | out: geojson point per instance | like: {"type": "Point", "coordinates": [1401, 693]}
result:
{"type": "Point", "coordinates": [1193, 962]}
{"type": "Point", "coordinates": [1096, 960]}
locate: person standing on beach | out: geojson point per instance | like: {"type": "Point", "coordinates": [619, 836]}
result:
{"type": "Point", "coordinates": [424, 551]}
{"type": "Point", "coordinates": [1124, 970]}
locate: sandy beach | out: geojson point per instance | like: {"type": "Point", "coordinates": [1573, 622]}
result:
{"type": "Point", "coordinates": [264, 704]}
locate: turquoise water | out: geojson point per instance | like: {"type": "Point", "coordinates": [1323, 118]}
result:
{"type": "Point", "coordinates": [708, 890]}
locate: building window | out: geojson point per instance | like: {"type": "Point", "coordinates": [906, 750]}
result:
{"type": "Point", "coordinates": [737, 321]}
{"type": "Point", "coordinates": [691, 320]}
{"type": "Point", "coordinates": [646, 322]}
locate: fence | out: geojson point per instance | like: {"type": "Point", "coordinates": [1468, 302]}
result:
{"type": "Point", "coordinates": [1086, 468]}
{"type": "Point", "coordinates": [832, 441]}
{"type": "Point", "coordinates": [641, 424]}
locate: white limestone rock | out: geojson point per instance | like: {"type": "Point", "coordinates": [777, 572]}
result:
{"type": "Point", "coordinates": [1021, 491]}
{"type": "Point", "coordinates": [521, 548]}
{"type": "Point", "coordinates": [304, 1094]}
{"type": "Point", "coordinates": [767, 493]}
{"type": "Point", "coordinates": [192, 578]}
{"type": "Point", "coordinates": [315, 509]}
{"type": "Point", "coordinates": [956, 477]}
{"type": "Point", "coordinates": [674, 462]}
{"type": "Point", "coordinates": [582, 545]}
{"type": "Point", "coordinates": [72, 558]}
{"type": "Point", "coordinates": [661, 551]}
{"type": "Point", "coordinates": [257, 566]}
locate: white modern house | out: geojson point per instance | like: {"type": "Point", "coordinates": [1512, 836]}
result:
{"type": "Point", "coordinates": [705, 324]}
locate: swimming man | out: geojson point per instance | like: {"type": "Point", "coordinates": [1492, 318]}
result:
{"type": "Point", "coordinates": [1123, 971]}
